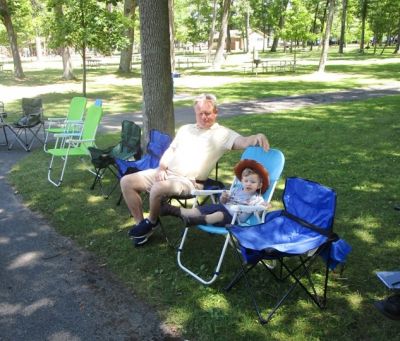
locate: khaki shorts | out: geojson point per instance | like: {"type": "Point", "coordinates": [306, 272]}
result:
{"type": "Point", "coordinates": [179, 186]}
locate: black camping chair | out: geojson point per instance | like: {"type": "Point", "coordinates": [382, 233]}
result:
{"type": "Point", "coordinates": [127, 149]}
{"type": "Point", "coordinates": [3, 124]}
{"type": "Point", "coordinates": [302, 231]}
{"type": "Point", "coordinates": [26, 130]}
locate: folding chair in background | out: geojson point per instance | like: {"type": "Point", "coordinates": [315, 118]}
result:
{"type": "Point", "coordinates": [26, 130]}
{"type": "Point", "coordinates": [128, 149]}
{"type": "Point", "coordinates": [3, 124]}
{"type": "Point", "coordinates": [273, 161]}
{"type": "Point", "coordinates": [295, 237]}
{"type": "Point", "coordinates": [69, 124]}
{"type": "Point", "coordinates": [68, 145]}
{"type": "Point", "coordinates": [158, 144]}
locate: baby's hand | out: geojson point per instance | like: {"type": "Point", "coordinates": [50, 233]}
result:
{"type": "Point", "coordinates": [267, 205]}
{"type": "Point", "coordinates": [225, 196]}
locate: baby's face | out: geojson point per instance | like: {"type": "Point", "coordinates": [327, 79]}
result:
{"type": "Point", "coordinates": [251, 183]}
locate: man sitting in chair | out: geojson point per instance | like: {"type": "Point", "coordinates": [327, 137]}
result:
{"type": "Point", "coordinates": [254, 180]}
{"type": "Point", "coordinates": [184, 166]}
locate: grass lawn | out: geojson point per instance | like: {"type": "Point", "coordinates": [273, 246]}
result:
{"type": "Point", "coordinates": [352, 147]}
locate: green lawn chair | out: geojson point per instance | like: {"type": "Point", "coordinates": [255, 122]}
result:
{"type": "Point", "coordinates": [71, 145]}
{"type": "Point", "coordinates": [71, 123]}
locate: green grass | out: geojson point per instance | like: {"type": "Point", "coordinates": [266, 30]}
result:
{"type": "Point", "coordinates": [352, 147]}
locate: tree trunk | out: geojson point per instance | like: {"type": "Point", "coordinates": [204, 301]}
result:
{"type": "Point", "coordinates": [219, 54]}
{"type": "Point", "coordinates": [67, 63]}
{"type": "Point", "coordinates": [314, 26]}
{"type": "Point", "coordinates": [171, 33]}
{"type": "Point", "coordinates": [323, 21]}
{"type": "Point", "coordinates": [363, 19]}
{"type": "Point", "coordinates": [12, 37]}
{"type": "Point", "coordinates": [247, 30]}
{"type": "Point", "coordinates": [39, 50]}
{"type": "Point", "coordinates": [212, 31]}
{"type": "Point", "coordinates": [397, 50]}
{"type": "Point", "coordinates": [68, 72]}
{"type": "Point", "coordinates": [125, 62]}
{"type": "Point", "coordinates": [158, 110]}
{"type": "Point", "coordinates": [343, 26]}
{"type": "Point", "coordinates": [325, 46]}
{"type": "Point", "coordinates": [281, 24]}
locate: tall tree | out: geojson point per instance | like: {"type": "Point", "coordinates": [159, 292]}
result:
{"type": "Point", "coordinates": [364, 9]}
{"type": "Point", "coordinates": [5, 15]}
{"type": "Point", "coordinates": [158, 110]}
{"type": "Point", "coordinates": [68, 71]}
{"type": "Point", "coordinates": [87, 24]}
{"type": "Point", "coordinates": [342, 41]}
{"type": "Point", "coordinates": [125, 62]}
{"type": "Point", "coordinates": [219, 54]}
{"type": "Point", "coordinates": [171, 33]}
{"type": "Point", "coordinates": [212, 30]}
{"type": "Point", "coordinates": [281, 9]}
{"type": "Point", "coordinates": [325, 42]}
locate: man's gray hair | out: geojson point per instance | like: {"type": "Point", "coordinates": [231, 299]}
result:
{"type": "Point", "coordinates": [207, 98]}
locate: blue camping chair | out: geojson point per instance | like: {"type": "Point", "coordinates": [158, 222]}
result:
{"type": "Point", "coordinates": [273, 161]}
{"type": "Point", "coordinates": [302, 231]}
{"type": "Point", "coordinates": [158, 144]}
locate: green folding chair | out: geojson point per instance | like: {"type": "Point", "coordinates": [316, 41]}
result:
{"type": "Point", "coordinates": [72, 123]}
{"type": "Point", "coordinates": [71, 145]}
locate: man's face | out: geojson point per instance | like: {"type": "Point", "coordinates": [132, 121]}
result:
{"type": "Point", "coordinates": [206, 114]}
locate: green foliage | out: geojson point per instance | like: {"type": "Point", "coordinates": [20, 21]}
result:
{"type": "Point", "coordinates": [297, 23]}
{"type": "Point", "coordinates": [88, 22]}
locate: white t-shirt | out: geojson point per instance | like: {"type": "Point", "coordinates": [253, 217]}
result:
{"type": "Point", "coordinates": [196, 150]}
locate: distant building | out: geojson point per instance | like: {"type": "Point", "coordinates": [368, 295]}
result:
{"type": "Point", "coordinates": [256, 39]}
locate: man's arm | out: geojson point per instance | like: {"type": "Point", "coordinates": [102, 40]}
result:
{"type": "Point", "coordinates": [242, 142]}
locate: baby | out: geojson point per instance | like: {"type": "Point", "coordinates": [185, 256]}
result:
{"type": "Point", "coordinates": [254, 180]}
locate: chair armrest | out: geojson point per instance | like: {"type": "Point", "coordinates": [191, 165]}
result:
{"type": "Point", "coordinates": [73, 141]}
{"type": "Point", "coordinates": [56, 119]}
{"type": "Point", "coordinates": [65, 135]}
{"type": "Point", "coordinates": [207, 191]}
{"type": "Point", "coordinates": [248, 209]}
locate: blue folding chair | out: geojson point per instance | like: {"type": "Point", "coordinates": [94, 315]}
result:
{"type": "Point", "coordinates": [158, 144]}
{"type": "Point", "coordinates": [302, 231]}
{"type": "Point", "coordinates": [273, 161]}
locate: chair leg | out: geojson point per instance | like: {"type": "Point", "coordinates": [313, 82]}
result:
{"type": "Point", "coordinates": [216, 272]}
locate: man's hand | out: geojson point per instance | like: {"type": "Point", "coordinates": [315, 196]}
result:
{"type": "Point", "coordinates": [262, 141]}
{"type": "Point", "coordinates": [243, 142]}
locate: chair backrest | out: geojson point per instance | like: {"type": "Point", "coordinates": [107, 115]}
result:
{"type": "Point", "coordinates": [158, 144]}
{"type": "Point", "coordinates": [273, 161]}
{"type": "Point", "coordinates": [32, 106]}
{"type": "Point", "coordinates": [92, 121]}
{"type": "Point", "coordinates": [310, 201]}
{"type": "Point", "coordinates": [77, 108]}
{"type": "Point", "coordinates": [129, 145]}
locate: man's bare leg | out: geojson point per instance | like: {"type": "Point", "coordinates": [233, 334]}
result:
{"type": "Point", "coordinates": [161, 190]}
{"type": "Point", "coordinates": [131, 188]}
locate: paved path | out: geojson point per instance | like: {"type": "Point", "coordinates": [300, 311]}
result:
{"type": "Point", "coordinates": [185, 115]}
{"type": "Point", "coordinates": [52, 290]}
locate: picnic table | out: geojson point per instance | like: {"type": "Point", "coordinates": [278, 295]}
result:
{"type": "Point", "coordinates": [271, 65]}
{"type": "Point", "coordinates": [93, 62]}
